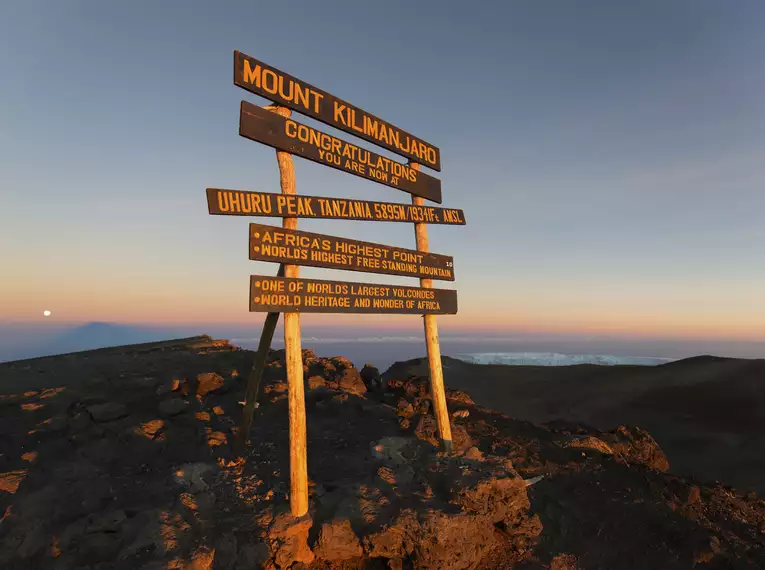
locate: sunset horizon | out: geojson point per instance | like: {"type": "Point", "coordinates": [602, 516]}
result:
{"type": "Point", "coordinates": [609, 186]}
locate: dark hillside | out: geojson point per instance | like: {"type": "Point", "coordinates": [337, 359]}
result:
{"type": "Point", "coordinates": [707, 412]}
{"type": "Point", "coordinates": [122, 458]}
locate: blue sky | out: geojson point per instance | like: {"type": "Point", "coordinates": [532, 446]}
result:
{"type": "Point", "coordinates": [609, 156]}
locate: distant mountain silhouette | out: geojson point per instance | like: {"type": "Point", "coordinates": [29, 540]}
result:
{"type": "Point", "coordinates": [87, 337]}
{"type": "Point", "coordinates": [100, 335]}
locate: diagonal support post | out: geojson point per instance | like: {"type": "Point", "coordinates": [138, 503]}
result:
{"type": "Point", "coordinates": [256, 374]}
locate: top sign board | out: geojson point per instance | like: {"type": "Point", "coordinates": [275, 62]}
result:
{"type": "Point", "coordinates": [266, 81]}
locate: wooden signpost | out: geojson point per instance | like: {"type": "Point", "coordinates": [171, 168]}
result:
{"type": "Point", "coordinates": [289, 294]}
{"type": "Point", "coordinates": [432, 345]}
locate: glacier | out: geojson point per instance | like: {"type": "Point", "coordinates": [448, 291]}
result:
{"type": "Point", "coordinates": [557, 359]}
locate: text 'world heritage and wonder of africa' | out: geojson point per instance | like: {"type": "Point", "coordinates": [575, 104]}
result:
{"type": "Point", "coordinates": [284, 294]}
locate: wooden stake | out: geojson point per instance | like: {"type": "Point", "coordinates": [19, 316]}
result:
{"type": "Point", "coordinates": [253, 382]}
{"type": "Point", "coordinates": [431, 340]}
{"type": "Point", "coordinates": [294, 357]}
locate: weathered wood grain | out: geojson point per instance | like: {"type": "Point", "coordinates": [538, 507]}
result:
{"type": "Point", "coordinates": [267, 81]}
{"type": "Point", "coordinates": [260, 125]}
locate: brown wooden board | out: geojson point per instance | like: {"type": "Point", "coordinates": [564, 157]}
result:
{"type": "Point", "coordinates": [295, 295]}
{"type": "Point", "coordinates": [265, 204]}
{"type": "Point", "coordinates": [270, 243]}
{"type": "Point", "coordinates": [264, 126]}
{"type": "Point", "coordinates": [266, 81]}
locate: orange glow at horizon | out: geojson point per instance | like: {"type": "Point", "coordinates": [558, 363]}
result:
{"type": "Point", "coordinates": [636, 325]}
{"type": "Point", "coordinates": [213, 300]}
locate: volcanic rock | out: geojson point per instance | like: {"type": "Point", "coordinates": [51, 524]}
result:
{"type": "Point", "coordinates": [316, 382]}
{"type": "Point", "coordinates": [114, 487]}
{"type": "Point", "coordinates": [337, 541]}
{"type": "Point", "coordinates": [107, 412]}
{"type": "Point", "coordinates": [590, 442]}
{"type": "Point", "coordinates": [173, 407]}
{"type": "Point", "coordinates": [479, 498]}
{"type": "Point", "coordinates": [151, 428]}
{"type": "Point", "coordinates": [421, 405]}
{"type": "Point", "coordinates": [350, 381]}
{"type": "Point", "coordinates": [208, 382]}
{"type": "Point", "coordinates": [216, 438]}
{"type": "Point", "coordinates": [341, 363]}
{"type": "Point", "coordinates": [404, 409]}
{"type": "Point", "coordinates": [10, 481]}
{"type": "Point", "coordinates": [427, 430]}
{"type": "Point", "coordinates": [371, 377]}
{"type": "Point", "coordinates": [459, 397]}
{"type": "Point", "coordinates": [693, 496]}
{"type": "Point", "coordinates": [637, 446]}
{"type": "Point", "coordinates": [202, 559]}
{"type": "Point", "coordinates": [278, 387]}
{"type": "Point", "coordinates": [288, 538]}
{"type": "Point", "coordinates": [564, 562]}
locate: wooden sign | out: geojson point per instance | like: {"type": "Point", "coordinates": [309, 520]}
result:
{"type": "Point", "coordinates": [294, 295]}
{"type": "Point", "coordinates": [270, 243]}
{"type": "Point", "coordinates": [266, 81]}
{"type": "Point", "coordinates": [287, 293]}
{"type": "Point", "coordinates": [265, 204]}
{"type": "Point", "coordinates": [263, 126]}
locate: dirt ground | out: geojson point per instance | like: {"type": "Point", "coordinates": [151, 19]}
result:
{"type": "Point", "coordinates": [123, 458]}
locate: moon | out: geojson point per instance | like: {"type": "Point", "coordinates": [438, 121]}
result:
{"type": "Point", "coordinates": [46, 313]}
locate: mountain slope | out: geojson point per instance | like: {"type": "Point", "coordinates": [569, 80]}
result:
{"type": "Point", "coordinates": [706, 412]}
{"type": "Point", "coordinates": [122, 458]}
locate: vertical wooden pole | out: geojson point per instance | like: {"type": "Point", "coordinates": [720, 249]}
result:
{"type": "Point", "coordinates": [294, 357]}
{"type": "Point", "coordinates": [431, 341]}
{"type": "Point", "coordinates": [253, 382]}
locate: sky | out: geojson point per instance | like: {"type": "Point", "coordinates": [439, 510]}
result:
{"type": "Point", "coordinates": [609, 157]}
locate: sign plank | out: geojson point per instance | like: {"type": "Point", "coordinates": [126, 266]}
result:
{"type": "Point", "coordinates": [280, 245]}
{"type": "Point", "coordinates": [266, 81]}
{"type": "Point", "coordinates": [265, 127]}
{"type": "Point", "coordinates": [265, 204]}
{"type": "Point", "coordinates": [285, 294]}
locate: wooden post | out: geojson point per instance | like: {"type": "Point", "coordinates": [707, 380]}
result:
{"type": "Point", "coordinates": [253, 382]}
{"type": "Point", "coordinates": [431, 340]}
{"type": "Point", "coordinates": [294, 356]}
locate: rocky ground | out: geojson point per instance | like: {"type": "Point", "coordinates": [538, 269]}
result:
{"type": "Point", "coordinates": [123, 458]}
{"type": "Point", "coordinates": [707, 412]}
